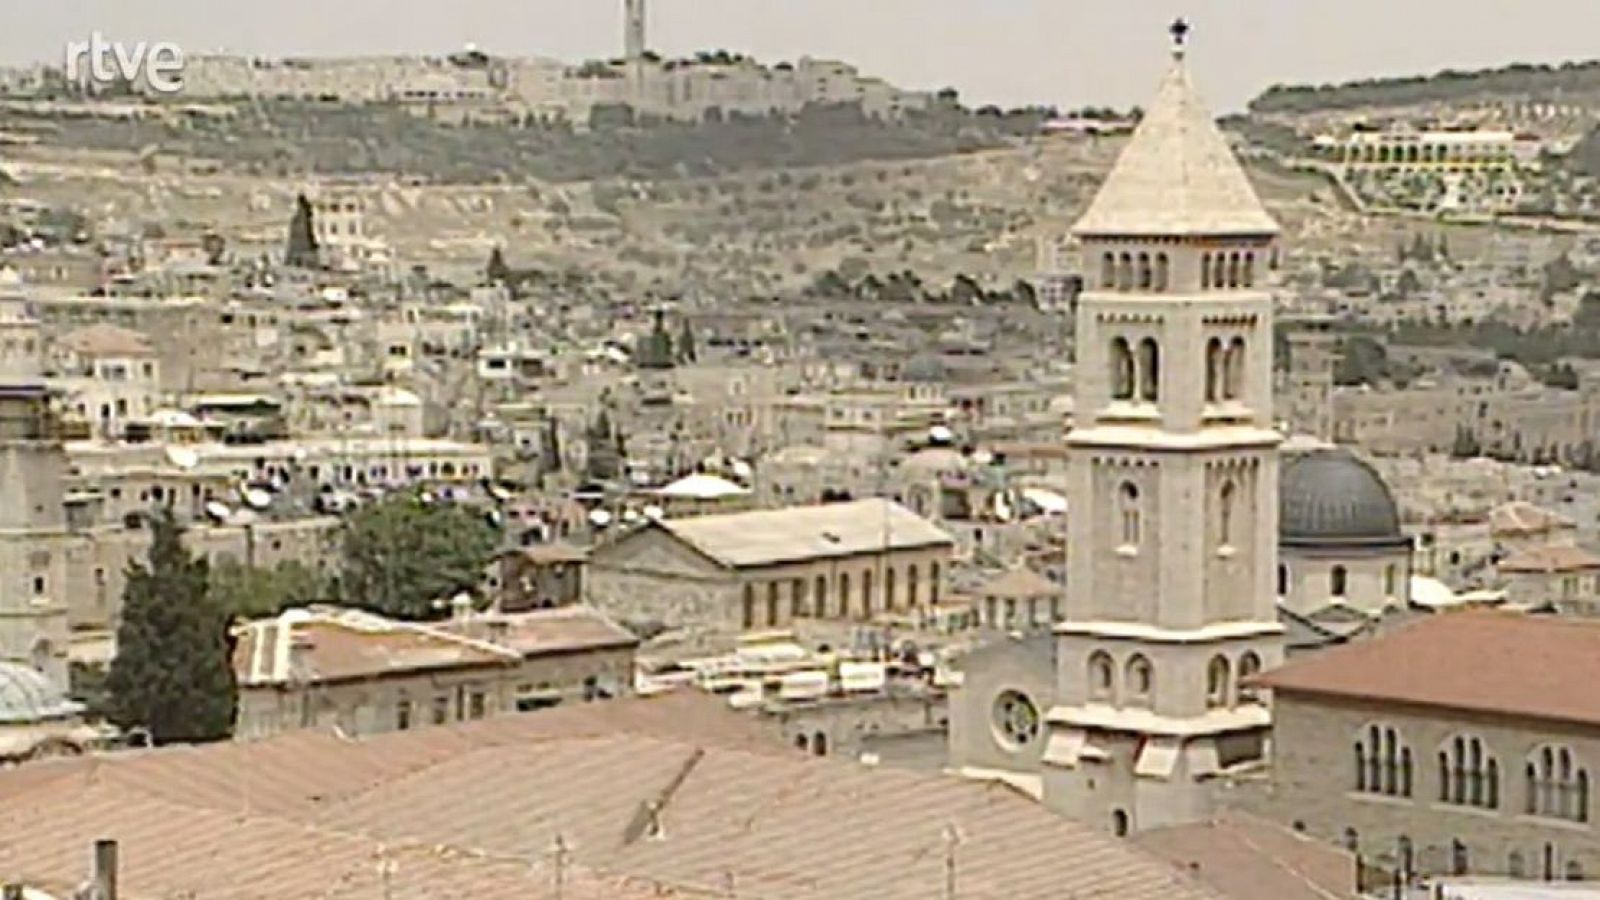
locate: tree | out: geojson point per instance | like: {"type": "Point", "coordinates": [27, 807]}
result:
{"type": "Point", "coordinates": [406, 552]}
{"type": "Point", "coordinates": [497, 270]}
{"type": "Point", "coordinates": [173, 672]}
{"type": "Point", "coordinates": [253, 592]}
{"type": "Point", "coordinates": [302, 250]}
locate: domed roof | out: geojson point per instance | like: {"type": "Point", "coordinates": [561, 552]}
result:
{"type": "Point", "coordinates": [1331, 497]}
{"type": "Point", "coordinates": [27, 697]}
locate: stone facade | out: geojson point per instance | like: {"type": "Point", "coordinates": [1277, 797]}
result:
{"type": "Point", "coordinates": [1315, 788]}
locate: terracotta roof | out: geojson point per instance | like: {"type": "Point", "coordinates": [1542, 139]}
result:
{"type": "Point", "coordinates": [762, 819]}
{"type": "Point", "coordinates": [797, 533]}
{"type": "Point", "coordinates": [107, 340]}
{"type": "Point", "coordinates": [1521, 666]}
{"type": "Point", "coordinates": [1551, 559]}
{"type": "Point", "coordinates": [1246, 858]}
{"type": "Point", "coordinates": [1176, 176]}
{"type": "Point", "coordinates": [322, 646]}
{"type": "Point", "coordinates": [1522, 517]}
{"type": "Point", "coordinates": [561, 630]}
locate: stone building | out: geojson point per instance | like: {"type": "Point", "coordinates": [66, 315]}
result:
{"type": "Point", "coordinates": [1173, 486]}
{"type": "Point", "coordinates": [838, 561]}
{"type": "Point", "coordinates": [364, 674]}
{"type": "Point", "coordinates": [1463, 743]}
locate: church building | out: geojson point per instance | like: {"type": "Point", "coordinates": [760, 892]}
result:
{"type": "Point", "coordinates": [1173, 468]}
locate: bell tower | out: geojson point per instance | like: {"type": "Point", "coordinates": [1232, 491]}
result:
{"type": "Point", "coordinates": [1172, 519]}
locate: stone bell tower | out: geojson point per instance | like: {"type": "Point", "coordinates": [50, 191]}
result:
{"type": "Point", "coordinates": [1173, 469]}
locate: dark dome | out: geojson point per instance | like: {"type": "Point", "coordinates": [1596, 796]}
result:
{"type": "Point", "coordinates": [1331, 497]}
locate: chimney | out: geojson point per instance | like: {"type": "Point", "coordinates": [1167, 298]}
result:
{"type": "Point", "coordinates": [105, 870]}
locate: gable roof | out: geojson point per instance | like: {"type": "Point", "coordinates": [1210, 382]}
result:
{"type": "Point", "coordinates": [778, 824]}
{"type": "Point", "coordinates": [1247, 858]}
{"type": "Point", "coordinates": [800, 533]}
{"type": "Point", "coordinates": [324, 645]}
{"type": "Point", "coordinates": [107, 340]}
{"type": "Point", "coordinates": [1177, 176]}
{"type": "Point", "coordinates": [1020, 582]}
{"type": "Point", "coordinates": [1519, 666]}
{"type": "Point", "coordinates": [1551, 559]}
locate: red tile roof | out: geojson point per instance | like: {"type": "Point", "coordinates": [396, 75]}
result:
{"type": "Point", "coordinates": [1246, 858]}
{"type": "Point", "coordinates": [1527, 667]}
{"type": "Point", "coordinates": [747, 813]}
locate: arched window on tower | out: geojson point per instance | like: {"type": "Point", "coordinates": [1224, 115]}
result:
{"type": "Point", "coordinates": [1146, 274]}
{"type": "Point", "coordinates": [1101, 672]}
{"type": "Point", "coordinates": [1219, 271]}
{"type": "Point", "coordinates": [1140, 680]}
{"type": "Point", "coordinates": [1249, 667]}
{"type": "Point", "coordinates": [1162, 273]}
{"type": "Point", "coordinates": [1233, 270]}
{"type": "Point", "coordinates": [1149, 370]}
{"type": "Point", "coordinates": [1338, 581]}
{"type": "Point", "coordinates": [1283, 580]}
{"type": "Point", "coordinates": [1233, 370]}
{"type": "Point", "coordinates": [1128, 503]}
{"type": "Point", "coordinates": [1249, 270]}
{"type": "Point", "coordinates": [1217, 686]}
{"type": "Point", "coordinates": [1108, 270]}
{"type": "Point", "coordinates": [1125, 272]}
{"type": "Point", "coordinates": [1122, 370]}
{"type": "Point", "coordinates": [1557, 785]}
{"type": "Point", "coordinates": [1214, 366]}
{"type": "Point", "coordinates": [1205, 271]}
{"type": "Point", "coordinates": [1225, 499]}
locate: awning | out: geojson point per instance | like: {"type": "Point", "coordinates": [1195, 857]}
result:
{"type": "Point", "coordinates": [1158, 759]}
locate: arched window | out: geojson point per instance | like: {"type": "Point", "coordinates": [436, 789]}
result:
{"type": "Point", "coordinates": [1249, 270]}
{"type": "Point", "coordinates": [797, 598]}
{"type": "Point", "coordinates": [772, 603]}
{"type": "Point", "coordinates": [866, 593]}
{"type": "Point", "coordinates": [1516, 866]}
{"type": "Point", "coordinates": [1162, 273]}
{"type": "Point", "coordinates": [1249, 667]}
{"type": "Point", "coordinates": [1352, 840]}
{"type": "Point", "coordinates": [911, 586]}
{"type": "Point", "coordinates": [1101, 672]}
{"type": "Point", "coordinates": [1458, 858]}
{"type": "Point", "coordinates": [934, 584]}
{"type": "Point", "coordinates": [1385, 762]}
{"type": "Point", "coordinates": [1283, 580]}
{"type": "Point", "coordinates": [1205, 270]}
{"type": "Point", "coordinates": [888, 588]}
{"type": "Point", "coordinates": [821, 599]}
{"type": "Point", "coordinates": [1149, 370]}
{"type": "Point", "coordinates": [1468, 774]}
{"type": "Point", "coordinates": [819, 744]}
{"type": "Point", "coordinates": [749, 618]}
{"type": "Point", "coordinates": [1225, 498]}
{"type": "Point", "coordinates": [1556, 785]}
{"type": "Point", "coordinates": [1146, 274]}
{"type": "Point", "coordinates": [1235, 268]}
{"type": "Point", "coordinates": [1140, 680]}
{"type": "Point", "coordinates": [1338, 581]}
{"type": "Point", "coordinates": [1219, 271]}
{"type": "Point", "coordinates": [1404, 851]}
{"type": "Point", "coordinates": [1119, 823]}
{"type": "Point", "coordinates": [1108, 270]}
{"type": "Point", "coordinates": [1128, 501]}
{"type": "Point", "coordinates": [1122, 370]}
{"type": "Point", "coordinates": [1361, 766]}
{"type": "Point", "coordinates": [844, 595]}
{"type": "Point", "coordinates": [1233, 370]}
{"type": "Point", "coordinates": [1214, 372]}
{"type": "Point", "coordinates": [1391, 580]}
{"type": "Point", "coordinates": [1125, 272]}
{"type": "Point", "coordinates": [1217, 687]}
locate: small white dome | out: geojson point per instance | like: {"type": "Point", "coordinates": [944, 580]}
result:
{"type": "Point", "coordinates": [26, 697]}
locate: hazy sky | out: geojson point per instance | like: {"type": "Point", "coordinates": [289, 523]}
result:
{"type": "Point", "coordinates": [1067, 52]}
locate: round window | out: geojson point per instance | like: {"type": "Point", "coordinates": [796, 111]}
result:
{"type": "Point", "coordinates": [1016, 719]}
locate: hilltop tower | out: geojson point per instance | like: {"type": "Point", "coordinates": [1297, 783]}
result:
{"type": "Point", "coordinates": [633, 30]}
{"type": "Point", "coordinates": [1173, 468]}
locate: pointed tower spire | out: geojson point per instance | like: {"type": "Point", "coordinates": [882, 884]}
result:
{"type": "Point", "coordinates": [1177, 177]}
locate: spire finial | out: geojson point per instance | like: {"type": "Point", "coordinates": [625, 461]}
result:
{"type": "Point", "coordinates": [1179, 29]}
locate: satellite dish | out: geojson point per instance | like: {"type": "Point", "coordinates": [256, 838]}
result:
{"type": "Point", "coordinates": [218, 511]}
{"type": "Point", "coordinates": [630, 515]}
{"type": "Point", "coordinates": [741, 469]}
{"type": "Point", "coordinates": [983, 457]}
{"type": "Point", "coordinates": [654, 512]}
{"type": "Point", "coordinates": [600, 518]}
{"type": "Point", "coordinates": [495, 518]}
{"type": "Point", "coordinates": [256, 498]}
{"type": "Point", "coordinates": [939, 434]}
{"type": "Point", "coordinates": [183, 457]}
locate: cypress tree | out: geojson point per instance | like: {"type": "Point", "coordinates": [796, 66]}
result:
{"type": "Point", "coordinates": [302, 249]}
{"type": "Point", "coordinates": [497, 271]}
{"type": "Point", "coordinates": [173, 672]}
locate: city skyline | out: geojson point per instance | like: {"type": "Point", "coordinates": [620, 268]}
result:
{"type": "Point", "coordinates": [1019, 51]}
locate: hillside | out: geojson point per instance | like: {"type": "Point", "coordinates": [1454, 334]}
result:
{"type": "Point", "coordinates": [1570, 81]}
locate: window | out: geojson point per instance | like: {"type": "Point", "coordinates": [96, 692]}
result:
{"type": "Point", "coordinates": [1161, 271]}
{"type": "Point", "coordinates": [402, 715]}
{"type": "Point", "coordinates": [1108, 271]}
{"type": "Point", "coordinates": [1233, 370]}
{"type": "Point", "coordinates": [1122, 374]}
{"type": "Point", "coordinates": [749, 618]}
{"type": "Point", "coordinates": [1140, 680]}
{"type": "Point", "coordinates": [934, 583]}
{"type": "Point", "coordinates": [1217, 682]}
{"type": "Point", "coordinates": [1125, 272]}
{"type": "Point", "coordinates": [1556, 786]}
{"type": "Point", "coordinates": [772, 603]}
{"type": "Point", "coordinates": [1338, 581]}
{"type": "Point", "coordinates": [844, 595]}
{"type": "Point", "coordinates": [866, 593]}
{"type": "Point", "coordinates": [911, 586]}
{"type": "Point", "coordinates": [441, 709]}
{"type": "Point", "coordinates": [1391, 580]}
{"type": "Point", "coordinates": [821, 598]}
{"type": "Point", "coordinates": [888, 588]}
{"type": "Point", "coordinates": [477, 705]}
{"type": "Point", "coordinates": [1128, 502]}
{"type": "Point", "coordinates": [1468, 774]}
{"type": "Point", "coordinates": [1016, 720]}
{"type": "Point", "coordinates": [1214, 372]}
{"type": "Point", "coordinates": [1100, 675]}
{"type": "Point", "coordinates": [1119, 823]}
{"type": "Point", "coordinates": [1383, 762]}
{"type": "Point", "coordinates": [1225, 515]}
{"type": "Point", "coordinates": [1249, 666]}
{"type": "Point", "coordinates": [1283, 580]}
{"type": "Point", "coordinates": [1149, 370]}
{"type": "Point", "coordinates": [1146, 274]}
{"type": "Point", "coordinates": [1205, 270]}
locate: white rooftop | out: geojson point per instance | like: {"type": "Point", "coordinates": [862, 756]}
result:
{"type": "Point", "coordinates": [807, 532]}
{"type": "Point", "coordinates": [1177, 176]}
